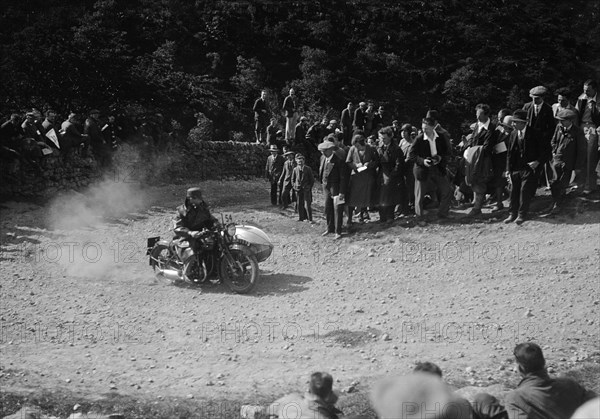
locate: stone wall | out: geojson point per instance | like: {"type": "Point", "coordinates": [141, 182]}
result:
{"type": "Point", "coordinates": [54, 173]}
{"type": "Point", "coordinates": [199, 161]}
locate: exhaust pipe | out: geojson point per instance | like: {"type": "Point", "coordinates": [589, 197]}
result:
{"type": "Point", "coordinates": [171, 274]}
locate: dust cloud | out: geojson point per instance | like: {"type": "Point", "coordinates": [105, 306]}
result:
{"type": "Point", "coordinates": [91, 247]}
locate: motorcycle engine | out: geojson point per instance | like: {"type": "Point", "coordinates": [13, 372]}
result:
{"type": "Point", "coordinates": [208, 243]}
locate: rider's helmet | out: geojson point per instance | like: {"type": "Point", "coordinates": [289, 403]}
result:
{"type": "Point", "coordinates": [194, 193]}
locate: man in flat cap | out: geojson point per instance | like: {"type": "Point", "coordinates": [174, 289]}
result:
{"type": "Point", "coordinates": [568, 154]}
{"type": "Point", "coordinates": [526, 151]}
{"type": "Point", "coordinates": [332, 175]}
{"type": "Point", "coordinates": [540, 118]}
{"type": "Point", "coordinates": [538, 395]}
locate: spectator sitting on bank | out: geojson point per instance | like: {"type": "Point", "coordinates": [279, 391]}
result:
{"type": "Point", "coordinates": [317, 403]}
{"type": "Point", "coordinates": [463, 405]}
{"type": "Point", "coordinates": [537, 395]}
{"type": "Point", "coordinates": [418, 395]}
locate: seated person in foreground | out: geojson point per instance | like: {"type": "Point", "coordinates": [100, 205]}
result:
{"type": "Point", "coordinates": [317, 403]}
{"type": "Point", "coordinates": [538, 396]}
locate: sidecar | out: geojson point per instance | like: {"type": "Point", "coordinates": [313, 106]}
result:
{"type": "Point", "coordinates": [256, 239]}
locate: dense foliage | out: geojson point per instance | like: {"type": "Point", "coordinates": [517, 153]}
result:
{"type": "Point", "coordinates": [181, 57]}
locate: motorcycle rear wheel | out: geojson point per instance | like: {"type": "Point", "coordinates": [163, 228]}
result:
{"type": "Point", "coordinates": [243, 276]}
{"type": "Point", "coordinates": [162, 257]}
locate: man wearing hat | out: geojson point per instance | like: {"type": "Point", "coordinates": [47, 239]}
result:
{"type": "Point", "coordinates": [526, 151]}
{"type": "Point", "coordinates": [285, 180]}
{"type": "Point", "coordinates": [539, 113]}
{"type": "Point", "coordinates": [193, 219]}
{"type": "Point", "coordinates": [568, 154]}
{"type": "Point", "coordinates": [541, 119]}
{"type": "Point", "coordinates": [332, 174]}
{"type": "Point", "coordinates": [537, 395]}
{"type": "Point", "coordinates": [273, 171]}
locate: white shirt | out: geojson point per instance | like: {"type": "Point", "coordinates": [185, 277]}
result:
{"type": "Point", "coordinates": [482, 125]}
{"type": "Point", "coordinates": [431, 142]}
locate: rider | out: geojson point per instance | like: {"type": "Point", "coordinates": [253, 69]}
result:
{"type": "Point", "coordinates": [193, 217]}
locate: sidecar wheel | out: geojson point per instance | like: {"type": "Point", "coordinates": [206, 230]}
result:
{"type": "Point", "coordinates": [242, 277]}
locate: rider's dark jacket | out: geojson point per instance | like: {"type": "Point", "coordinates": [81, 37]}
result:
{"type": "Point", "coordinates": [190, 218]}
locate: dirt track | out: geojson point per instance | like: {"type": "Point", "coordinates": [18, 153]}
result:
{"type": "Point", "coordinates": [81, 311]}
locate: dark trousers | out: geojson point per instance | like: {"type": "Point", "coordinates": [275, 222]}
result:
{"type": "Point", "coordinates": [275, 195]}
{"type": "Point", "coordinates": [588, 177]}
{"type": "Point", "coordinates": [559, 184]}
{"type": "Point", "coordinates": [386, 213]}
{"type": "Point", "coordinates": [334, 216]}
{"type": "Point", "coordinates": [286, 194]}
{"type": "Point", "coordinates": [260, 129]}
{"type": "Point", "coordinates": [409, 181]}
{"type": "Point", "coordinates": [442, 184]}
{"type": "Point", "coordinates": [304, 205]}
{"type": "Point", "coordinates": [524, 184]}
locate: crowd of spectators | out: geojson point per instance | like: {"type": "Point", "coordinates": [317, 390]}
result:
{"type": "Point", "coordinates": [25, 140]}
{"type": "Point", "coordinates": [400, 169]}
{"type": "Point", "coordinates": [424, 394]}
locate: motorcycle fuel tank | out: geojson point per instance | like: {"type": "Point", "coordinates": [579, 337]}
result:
{"type": "Point", "coordinates": [257, 239]}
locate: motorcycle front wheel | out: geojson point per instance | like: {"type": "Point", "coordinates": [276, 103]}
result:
{"type": "Point", "coordinates": [242, 276]}
{"type": "Point", "coordinates": [162, 259]}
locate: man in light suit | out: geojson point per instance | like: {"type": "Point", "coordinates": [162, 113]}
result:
{"type": "Point", "coordinates": [332, 174]}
